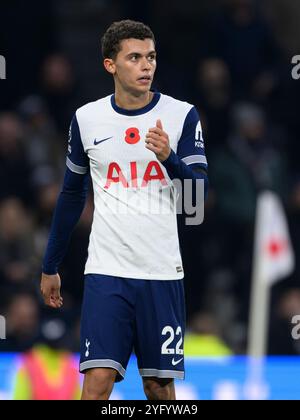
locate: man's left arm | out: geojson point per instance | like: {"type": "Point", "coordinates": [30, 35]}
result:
{"type": "Point", "coordinates": [190, 161]}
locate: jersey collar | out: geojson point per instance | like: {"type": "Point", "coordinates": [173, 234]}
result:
{"type": "Point", "coordinates": [133, 112]}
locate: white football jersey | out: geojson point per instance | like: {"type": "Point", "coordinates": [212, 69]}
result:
{"type": "Point", "coordinates": [134, 231]}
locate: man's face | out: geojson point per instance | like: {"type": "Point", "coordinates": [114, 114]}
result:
{"type": "Point", "coordinates": [134, 66]}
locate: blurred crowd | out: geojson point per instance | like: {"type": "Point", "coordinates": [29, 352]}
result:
{"type": "Point", "coordinates": [230, 58]}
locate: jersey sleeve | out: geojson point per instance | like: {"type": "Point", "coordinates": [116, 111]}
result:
{"type": "Point", "coordinates": [190, 148]}
{"type": "Point", "coordinates": [77, 159]}
{"type": "Point", "coordinates": [69, 207]}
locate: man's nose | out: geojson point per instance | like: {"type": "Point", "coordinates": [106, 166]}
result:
{"type": "Point", "coordinates": [145, 64]}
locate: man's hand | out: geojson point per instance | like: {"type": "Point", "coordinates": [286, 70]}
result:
{"type": "Point", "coordinates": [158, 142]}
{"type": "Point", "coordinates": [50, 288]}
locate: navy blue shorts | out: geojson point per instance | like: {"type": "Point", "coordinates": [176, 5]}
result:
{"type": "Point", "coordinates": [120, 315]}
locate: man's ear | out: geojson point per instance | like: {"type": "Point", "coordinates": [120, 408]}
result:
{"type": "Point", "coordinates": [109, 65]}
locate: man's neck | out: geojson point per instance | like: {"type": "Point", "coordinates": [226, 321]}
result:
{"type": "Point", "coordinates": [128, 101]}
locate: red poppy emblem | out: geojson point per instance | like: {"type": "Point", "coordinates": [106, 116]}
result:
{"type": "Point", "coordinates": [132, 135]}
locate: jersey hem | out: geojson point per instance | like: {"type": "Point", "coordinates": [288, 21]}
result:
{"type": "Point", "coordinates": [103, 363]}
{"type": "Point", "coordinates": [139, 276]}
{"type": "Point", "coordinates": [156, 373]}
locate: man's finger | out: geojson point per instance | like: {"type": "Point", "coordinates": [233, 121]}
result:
{"type": "Point", "coordinates": [153, 148]}
{"type": "Point", "coordinates": [56, 293]}
{"type": "Point", "coordinates": [154, 142]}
{"type": "Point", "coordinates": [158, 131]}
{"type": "Point", "coordinates": [154, 136]}
{"type": "Point", "coordinates": [55, 303]}
{"type": "Point", "coordinates": [159, 124]}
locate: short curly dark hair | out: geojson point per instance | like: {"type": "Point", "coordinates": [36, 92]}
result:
{"type": "Point", "coordinates": [123, 29]}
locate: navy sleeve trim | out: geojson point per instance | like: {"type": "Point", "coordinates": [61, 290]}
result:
{"type": "Point", "coordinates": [190, 160]}
{"type": "Point", "coordinates": [80, 170]}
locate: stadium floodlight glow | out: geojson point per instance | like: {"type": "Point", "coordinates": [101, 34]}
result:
{"type": "Point", "coordinates": [2, 67]}
{"type": "Point", "coordinates": [2, 328]}
{"type": "Point", "coordinates": [296, 69]}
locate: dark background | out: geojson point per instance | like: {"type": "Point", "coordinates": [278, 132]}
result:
{"type": "Point", "coordinates": [232, 59]}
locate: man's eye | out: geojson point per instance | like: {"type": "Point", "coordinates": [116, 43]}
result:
{"type": "Point", "coordinates": [134, 58]}
{"type": "Point", "coordinates": [151, 57]}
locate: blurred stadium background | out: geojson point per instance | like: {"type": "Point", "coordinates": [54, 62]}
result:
{"type": "Point", "coordinates": [232, 59]}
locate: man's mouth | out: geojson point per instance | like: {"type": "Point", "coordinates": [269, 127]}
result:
{"type": "Point", "coordinates": [146, 78]}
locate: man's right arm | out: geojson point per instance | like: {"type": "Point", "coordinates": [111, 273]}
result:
{"type": "Point", "coordinates": [69, 207]}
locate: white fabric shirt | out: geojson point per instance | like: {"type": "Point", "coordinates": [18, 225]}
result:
{"type": "Point", "coordinates": [134, 231]}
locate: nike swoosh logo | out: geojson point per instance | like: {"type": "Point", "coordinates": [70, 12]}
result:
{"type": "Point", "coordinates": [96, 142]}
{"type": "Point", "coordinates": [174, 363]}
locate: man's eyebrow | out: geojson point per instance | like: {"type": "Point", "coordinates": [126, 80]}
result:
{"type": "Point", "coordinates": [139, 54]}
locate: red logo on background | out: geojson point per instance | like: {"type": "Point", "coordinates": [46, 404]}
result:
{"type": "Point", "coordinates": [132, 135]}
